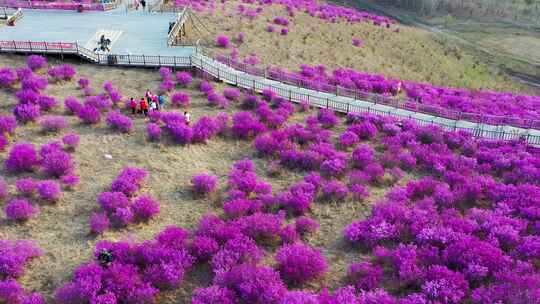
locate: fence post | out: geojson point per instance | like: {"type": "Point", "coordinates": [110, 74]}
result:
{"type": "Point", "coordinates": [327, 100]}
{"type": "Point", "coordinates": [30, 44]}
{"type": "Point", "coordinates": [290, 95]}
{"type": "Point", "coordinates": [159, 59]}
{"type": "Point", "coordinates": [144, 59]}
{"type": "Point", "coordinates": [61, 51]}
{"type": "Point", "coordinates": [348, 104]}
{"type": "Point", "coordinates": [253, 84]}
{"type": "Point", "coordinates": [14, 45]}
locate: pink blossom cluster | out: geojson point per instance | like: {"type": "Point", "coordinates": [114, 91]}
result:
{"type": "Point", "coordinates": [14, 256]}
{"type": "Point", "coordinates": [120, 206]}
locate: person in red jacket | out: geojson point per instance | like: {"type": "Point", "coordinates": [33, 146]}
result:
{"type": "Point", "coordinates": [133, 106]}
{"type": "Point", "coordinates": [144, 106]}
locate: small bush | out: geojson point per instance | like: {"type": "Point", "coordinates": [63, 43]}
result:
{"type": "Point", "coordinates": [99, 223]}
{"type": "Point", "coordinates": [19, 210]}
{"type": "Point", "coordinates": [89, 115]}
{"type": "Point", "coordinates": [223, 41]}
{"type": "Point", "coordinates": [71, 141]}
{"type": "Point", "coordinates": [36, 62]}
{"type": "Point", "coordinates": [299, 263]}
{"type": "Point", "coordinates": [26, 112]}
{"type": "Point", "coordinates": [154, 131]}
{"type": "Point", "coordinates": [22, 158]}
{"type": "Point", "coordinates": [119, 121]}
{"type": "Point", "coordinates": [184, 79]}
{"type": "Point", "coordinates": [145, 208]}
{"type": "Point", "coordinates": [48, 190]}
{"type": "Point", "coordinates": [52, 123]}
{"type": "Point", "coordinates": [204, 183]}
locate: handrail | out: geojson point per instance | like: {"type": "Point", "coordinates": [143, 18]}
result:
{"type": "Point", "coordinates": [16, 16]}
{"type": "Point", "coordinates": [401, 103]}
{"type": "Point", "coordinates": [171, 37]}
{"type": "Point", "coordinates": [221, 71]}
{"type": "Point", "coordinates": [340, 104]}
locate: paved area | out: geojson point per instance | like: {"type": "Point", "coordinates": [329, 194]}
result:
{"type": "Point", "coordinates": [142, 32]}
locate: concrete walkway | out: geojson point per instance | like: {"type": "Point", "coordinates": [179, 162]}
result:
{"type": "Point", "coordinates": [142, 32]}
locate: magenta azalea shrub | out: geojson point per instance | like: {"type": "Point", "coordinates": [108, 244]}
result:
{"type": "Point", "coordinates": [52, 123]}
{"type": "Point", "coordinates": [72, 105]}
{"type": "Point", "coordinates": [245, 125]}
{"type": "Point", "coordinates": [19, 210]}
{"type": "Point", "coordinates": [154, 131]}
{"type": "Point", "coordinates": [99, 223]}
{"type": "Point", "coordinates": [8, 123]}
{"type": "Point", "coordinates": [89, 115]}
{"type": "Point", "coordinates": [119, 121]}
{"type": "Point", "coordinates": [365, 275]}
{"type": "Point", "coordinates": [36, 62]}
{"type": "Point", "coordinates": [64, 72]}
{"type": "Point", "coordinates": [26, 112]}
{"type": "Point", "coordinates": [22, 158]}
{"type": "Point", "coordinates": [223, 41]}
{"type": "Point", "coordinates": [7, 77]}
{"type": "Point", "coordinates": [299, 263]}
{"type": "Point", "coordinates": [55, 162]}
{"type": "Point", "coordinates": [71, 141]}
{"type": "Point", "coordinates": [204, 129]}
{"type": "Point", "coordinates": [48, 190]}
{"type": "Point", "coordinates": [184, 79]}
{"type": "Point", "coordinates": [180, 99]}
{"type": "Point", "coordinates": [145, 208]}
{"type": "Point", "coordinates": [129, 181]}
{"type": "Point", "coordinates": [47, 103]}
{"type": "Point", "coordinates": [15, 255]}
{"type": "Point", "coordinates": [204, 183]}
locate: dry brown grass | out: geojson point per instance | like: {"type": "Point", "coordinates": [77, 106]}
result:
{"type": "Point", "coordinates": [412, 54]}
{"type": "Point", "coordinates": [62, 229]}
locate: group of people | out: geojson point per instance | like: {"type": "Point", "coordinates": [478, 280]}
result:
{"type": "Point", "coordinates": [150, 102]}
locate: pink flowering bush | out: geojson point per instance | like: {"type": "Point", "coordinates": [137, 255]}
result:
{"type": "Point", "coordinates": [26, 112]}
{"type": "Point", "coordinates": [36, 62]}
{"type": "Point", "coordinates": [204, 183]}
{"type": "Point", "coordinates": [19, 210]}
{"type": "Point", "coordinates": [72, 105]}
{"type": "Point", "coordinates": [299, 263]}
{"type": "Point", "coordinates": [55, 162]}
{"type": "Point", "coordinates": [71, 141]}
{"type": "Point", "coordinates": [154, 131]}
{"type": "Point", "coordinates": [245, 125]}
{"type": "Point", "coordinates": [89, 115]}
{"type": "Point", "coordinates": [184, 79]}
{"type": "Point", "coordinates": [145, 208]}
{"type": "Point", "coordinates": [180, 99]}
{"type": "Point", "coordinates": [48, 190]}
{"type": "Point", "coordinates": [15, 255]}
{"type": "Point", "coordinates": [99, 223]}
{"type": "Point", "coordinates": [204, 129]}
{"type": "Point", "coordinates": [64, 72]}
{"type": "Point", "coordinates": [129, 181]}
{"type": "Point", "coordinates": [22, 158]}
{"type": "Point", "coordinates": [119, 121]}
{"type": "Point", "coordinates": [8, 123]}
{"type": "Point", "coordinates": [7, 77]}
{"type": "Point", "coordinates": [52, 123]}
{"type": "Point", "coordinates": [223, 41]}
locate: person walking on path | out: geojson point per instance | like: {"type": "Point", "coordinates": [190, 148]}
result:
{"type": "Point", "coordinates": [144, 107]}
{"type": "Point", "coordinates": [143, 4]}
{"type": "Point", "coordinates": [133, 106]}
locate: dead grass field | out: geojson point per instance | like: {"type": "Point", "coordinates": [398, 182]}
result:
{"type": "Point", "coordinates": [62, 229]}
{"type": "Point", "coordinates": [412, 54]}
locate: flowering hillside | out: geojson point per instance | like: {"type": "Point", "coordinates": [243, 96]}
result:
{"type": "Point", "coordinates": [254, 200]}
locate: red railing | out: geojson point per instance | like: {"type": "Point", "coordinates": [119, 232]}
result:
{"type": "Point", "coordinates": [87, 6]}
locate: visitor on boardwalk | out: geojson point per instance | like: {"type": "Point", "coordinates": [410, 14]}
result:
{"type": "Point", "coordinates": [186, 115]}
{"type": "Point", "coordinates": [144, 107]}
{"type": "Point", "coordinates": [133, 105]}
{"type": "Point", "coordinates": [143, 4]}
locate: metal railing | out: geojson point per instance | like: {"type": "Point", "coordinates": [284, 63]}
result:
{"type": "Point", "coordinates": [104, 59]}
{"type": "Point", "coordinates": [248, 81]}
{"type": "Point", "coordinates": [212, 67]}
{"type": "Point", "coordinates": [58, 5]}
{"type": "Point", "coordinates": [180, 19]}
{"type": "Point", "coordinates": [402, 103]}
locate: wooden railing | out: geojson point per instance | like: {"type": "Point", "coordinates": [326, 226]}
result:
{"type": "Point", "coordinates": [180, 19]}
{"type": "Point", "coordinates": [58, 5]}
{"type": "Point", "coordinates": [247, 81]}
